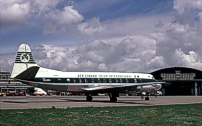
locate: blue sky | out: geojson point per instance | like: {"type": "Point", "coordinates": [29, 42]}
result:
{"type": "Point", "coordinates": [106, 10]}
{"type": "Point", "coordinates": [103, 35]}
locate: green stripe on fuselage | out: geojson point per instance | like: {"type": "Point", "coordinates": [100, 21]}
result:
{"type": "Point", "coordinates": [94, 80]}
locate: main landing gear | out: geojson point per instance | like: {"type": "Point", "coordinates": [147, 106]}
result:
{"type": "Point", "coordinates": [147, 98]}
{"type": "Point", "coordinates": [89, 97]}
{"type": "Point", "coordinates": [113, 97]}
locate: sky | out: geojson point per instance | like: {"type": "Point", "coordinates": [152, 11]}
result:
{"type": "Point", "coordinates": [95, 35]}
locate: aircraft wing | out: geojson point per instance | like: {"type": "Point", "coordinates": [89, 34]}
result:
{"type": "Point", "coordinates": [109, 88]}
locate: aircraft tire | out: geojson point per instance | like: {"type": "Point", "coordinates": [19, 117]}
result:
{"type": "Point", "coordinates": [89, 98]}
{"type": "Point", "coordinates": [146, 98]}
{"type": "Point", "coordinates": [113, 99]}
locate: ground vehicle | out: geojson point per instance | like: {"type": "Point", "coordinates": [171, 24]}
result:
{"type": "Point", "coordinates": [11, 93]}
{"type": "Point", "coordinates": [21, 93]}
{"type": "Point", "coordinates": [39, 92]}
{"type": "Point", "coordinates": [2, 93]}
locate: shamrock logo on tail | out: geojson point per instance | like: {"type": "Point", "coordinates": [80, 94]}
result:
{"type": "Point", "coordinates": [25, 57]}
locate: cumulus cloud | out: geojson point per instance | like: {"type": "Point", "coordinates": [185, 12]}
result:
{"type": "Point", "coordinates": [98, 55]}
{"type": "Point", "coordinates": [61, 21]}
{"type": "Point", "coordinates": [156, 63]}
{"type": "Point", "coordinates": [39, 13]}
{"type": "Point", "coordinates": [67, 16]}
{"type": "Point", "coordinates": [181, 6]}
{"type": "Point", "coordinates": [14, 12]}
{"type": "Point", "coordinates": [124, 26]}
{"type": "Point", "coordinates": [180, 45]}
{"type": "Point", "coordinates": [6, 62]}
{"type": "Point", "coordinates": [40, 7]}
{"type": "Point", "coordinates": [91, 27]}
{"type": "Point", "coordinates": [190, 59]}
{"type": "Point", "coordinates": [4, 65]}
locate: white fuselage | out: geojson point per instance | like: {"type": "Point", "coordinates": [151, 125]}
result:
{"type": "Point", "coordinates": [68, 81]}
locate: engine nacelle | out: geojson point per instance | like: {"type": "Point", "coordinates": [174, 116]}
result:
{"type": "Point", "coordinates": [157, 87]}
{"type": "Point", "coordinates": [146, 88]}
{"type": "Point", "coordinates": [149, 88]}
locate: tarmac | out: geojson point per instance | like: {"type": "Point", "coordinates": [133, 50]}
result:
{"type": "Point", "coordinates": [31, 102]}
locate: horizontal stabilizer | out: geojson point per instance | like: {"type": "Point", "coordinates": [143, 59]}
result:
{"type": "Point", "coordinates": [28, 74]}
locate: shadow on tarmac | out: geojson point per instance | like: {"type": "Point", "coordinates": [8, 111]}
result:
{"type": "Point", "coordinates": [104, 101]}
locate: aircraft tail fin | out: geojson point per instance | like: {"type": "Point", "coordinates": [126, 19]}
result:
{"type": "Point", "coordinates": [23, 61]}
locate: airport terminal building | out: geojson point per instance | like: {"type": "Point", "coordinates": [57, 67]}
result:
{"type": "Point", "coordinates": [180, 81]}
{"type": "Point", "coordinates": [7, 84]}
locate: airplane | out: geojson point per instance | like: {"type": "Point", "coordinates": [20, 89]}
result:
{"type": "Point", "coordinates": [27, 71]}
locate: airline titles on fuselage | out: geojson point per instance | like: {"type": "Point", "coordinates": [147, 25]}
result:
{"type": "Point", "coordinates": [104, 76]}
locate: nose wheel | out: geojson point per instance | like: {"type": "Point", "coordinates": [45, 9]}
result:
{"type": "Point", "coordinates": [147, 96]}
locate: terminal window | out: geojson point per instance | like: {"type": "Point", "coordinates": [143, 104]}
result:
{"type": "Point", "coordinates": [3, 77]}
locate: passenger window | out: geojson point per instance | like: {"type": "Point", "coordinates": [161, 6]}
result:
{"type": "Point", "coordinates": [80, 81]}
{"type": "Point", "coordinates": [117, 81]}
{"type": "Point", "coordinates": [68, 80]}
{"type": "Point", "coordinates": [104, 80]}
{"type": "Point", "coordinates": [99, 81]}
{"type": "Point", "coordinates": [126, 80]}
{"type": "Point", "coordinates": [86, 80]}
{"type": "Point", "coordinates": [135, 80]}
{"type": "Point", "coordinates": [121, 81]}
{"type": "Point", "coordinates": [92, 80]}
{"type": "Point", "coordinates": [74, 80]}
{"type": "Point", "coordinates": [110, 80]}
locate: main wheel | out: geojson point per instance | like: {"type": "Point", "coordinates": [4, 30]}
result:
{"type": "Point", "coordinates": [89, 98]}
{"type": "Point", "coordinates": [146, 98]}
{"type": "Point", "coordinates": [113, 99]}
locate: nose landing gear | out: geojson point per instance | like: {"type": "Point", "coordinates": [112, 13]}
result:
{"type": "Point", "coordinates": [147, 96]}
